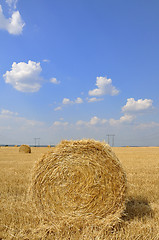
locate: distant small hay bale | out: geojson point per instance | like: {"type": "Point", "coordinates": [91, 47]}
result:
{"type": "Point", "coordinates": [15, 145]}
{"type": "Point", "coordinates": [80, 183]}
{"type": "Point", "coordinates": [25, 149]}
{"type": "Point", "coordinates": [49, 146]}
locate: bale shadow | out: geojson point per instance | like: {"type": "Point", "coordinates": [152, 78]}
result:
{"type": "Point", "coordinates": [137, 208]}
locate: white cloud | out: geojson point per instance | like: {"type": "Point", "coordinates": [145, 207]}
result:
{"type": "Point", "coordinates": [137, 106]}
{"type": "Point", "coordinates": [46, 60]}
{"type": "Point", "coordinates": [126, 118]}
{"type": "Point", "coordinates": [57, 108]}
{"type": "Point", "coordinates": [13, 25]}
{"type": "Point", "coordinates": [14, 121]}
{"type": "Point", "coordinates": [93, 121]}
{"type": "Point", "coordinates": [16, 129]}
{"type": "Point", "coordinates": [78, 100]}
{"type": "Point", "coordinates": [24, 77]}
{"type": "Point", "coordinates": [12, 3]}
{"type": "Point", "coordinates": [104, 86]}
{"type": "Point", "coordinates": [16, 24]}
{"type": "Point", "coordinates": [81, 122]}
{"type": "Point", "coordinates": [67, 101]}
{"type": "Point", "coordinates": [8, 113]}
{"type": "Point", "coordinates": [147, 125]}
{"type": "Point", "coordinates": [94, 99]}
{"type": "Point", "coordinates": [60, 123]}
{"type": "Point", "coordinates": [54, 81]}
{"type": "Point", "coordinates": [19, 130]}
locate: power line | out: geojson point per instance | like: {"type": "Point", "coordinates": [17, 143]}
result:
{"type": "Point", "coordinates": [38, 140]}
{"type": "Point", "coordinates": [110, 136]}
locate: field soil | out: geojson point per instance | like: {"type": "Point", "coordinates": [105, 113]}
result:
{"type": "Point", "coordinates": [20, 220]}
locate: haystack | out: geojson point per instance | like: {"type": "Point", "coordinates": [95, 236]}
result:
{"type": "Point", "coordinates": [80, 183]}
{"type": "Point", "coordinates": [25, 149]}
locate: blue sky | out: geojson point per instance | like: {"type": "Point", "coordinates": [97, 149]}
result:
{"type": "Point", "coordinates": [79, 69]}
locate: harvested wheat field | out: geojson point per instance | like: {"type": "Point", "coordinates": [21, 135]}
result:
{"type": "Point", "coordinates": [23, 218]}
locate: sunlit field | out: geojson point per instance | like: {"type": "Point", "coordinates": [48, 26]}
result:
{"type": "Point", "coordinates": [19, 218]}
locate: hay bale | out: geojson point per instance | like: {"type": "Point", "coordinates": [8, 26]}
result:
{"type": "Point", "coordinates": [25, 149]}
{"type": "Point", "coordinates": [79, 183]}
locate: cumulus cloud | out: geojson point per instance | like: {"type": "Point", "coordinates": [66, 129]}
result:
{"type": "Point", "coordinates": [93, 121]}
{"type": "Point", "coordinates": [66, 101]}
{"type": "Point", "coordinates": [12, 3]}
{"type": "Point", "coordinates": [13, 120]}
{"type": "Point", "coordinates": [24, 77]}
{"type": "Point", "coordinates": [80, 123]}
{"type": "Point", "coordinates": [54, 81]}
{"type": "Point", "coordinates": [57, 108]}
{"type": "Point", "coordinates": [96, 121]}
{"type": "Point", "coordinates": [8, 113]}
{"type": "Point", "coordinates": [94, 99]}
{"type": "Point", "coordinates": [126, 118]}
{"type": "Point", "coordinates": [78, 100]}
{"type": "Point", "coordinates": [137, 106]}
{"type": "Point", "coordinates": [14, 25]}
{"type": "Point", "coordinates": [104, 86]}
{"type": "Point", "coordinates": [16, 129]}
{"type": "Point", "coordinates": [149, 125]}
{"type": "Point", "coordinates": [59, 123]}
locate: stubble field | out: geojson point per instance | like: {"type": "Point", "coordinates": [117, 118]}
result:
{"type": "Point", "coordinates": [20, 220]}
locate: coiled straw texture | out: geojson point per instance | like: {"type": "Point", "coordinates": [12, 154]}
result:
{"type": "Point", "coordinates": [25, 148]}
{"type": "Point", "coordinates": [80, 183]}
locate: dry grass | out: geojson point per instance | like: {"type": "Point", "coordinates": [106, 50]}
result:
{"type": "Point", "coordinates": [80, 184]}
{"type": "Point", "coordinates": [25, 149]}
{"type": "Point", "coordinates": [19, 219]}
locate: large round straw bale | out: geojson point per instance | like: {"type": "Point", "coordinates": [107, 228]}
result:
{"type": "Point", "coordinates": [25, 149]}
{"type": "Point", "coordinates": [80, 181]}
